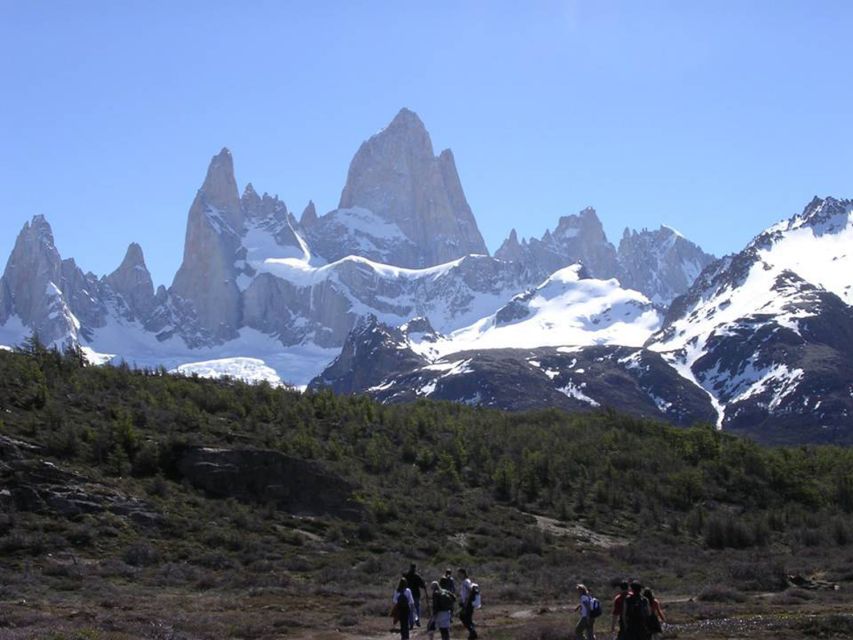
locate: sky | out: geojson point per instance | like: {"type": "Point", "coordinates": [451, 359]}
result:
{"type": "Point", "coordinates": [716, 118]}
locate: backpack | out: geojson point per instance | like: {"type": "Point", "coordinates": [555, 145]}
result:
{"type": "Point", "coordinates": [635, 612]}
{"type": "Point", "coordinates": [594, 607]}
{"type": "Point", "coordinates": [445, 600]}
{"type": "Point", "coordinates": [402, 602]}
{"type": "Point", "coordinates": [474, 598]}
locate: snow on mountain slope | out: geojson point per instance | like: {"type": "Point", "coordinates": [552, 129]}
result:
{"type": "Point", "coordinates": [816, 245]}
{"type": "Point", "coordinates": [768, 332]}
{"type": "Point", "coordinates": [566, 309]}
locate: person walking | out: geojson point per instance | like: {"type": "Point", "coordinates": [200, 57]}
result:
{"type": "Point", "coordinates": [618, 603]}
{"type": "Point", "coordinates": [466, 603]}
{"type": "Point", "coordinates": [585, 627]}
{"type": "Point", "coordinates": [656, 619]}
{"type": "Point", "coordinates": [635, 614]}
{"type": "Point", "coordinates": [442, 610]}
{"type": "Point", "coordinates": [447, 582]}
{"type": "Point", "coordinates": [404, 606]}
{"type": "Point", "coordinates": [416, 583]}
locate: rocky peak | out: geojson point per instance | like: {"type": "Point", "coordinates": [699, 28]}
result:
{"type": "Point", "coordinates": [396, 176]}
{"type": "Point", "coordinates": [371, 351]}
{"type": "Point", "coordinates": [219, 190]}
{"type": "Point", "coordinates": [33, 264]}
{"type": "Point", "coordinates": [133, 283]}
{"type": "Point", "coordinates": [205, 284]}
{"type": "Point", "coordinates": [511, 249]}
{"type": "Point", "coordinates": [33, 282]}
{"type": "Point", "coordinates": [662, 263]}
{"type": "Point", "coordinates": [255, 207]}
{"type": "Point", "coordinates": [309, 215]}
{"type": "Point", "coordinates": [827, 215]}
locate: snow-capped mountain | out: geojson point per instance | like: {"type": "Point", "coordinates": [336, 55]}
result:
{"type": "Point", "coordinates": [568, 308]}
{"type": "Point", "coordinates": [388, 364]}
{"type": "Point", "coordinates": [768, 332]}
{"type": "Point", "coordinates": [394, 294]}
{"type": "Point", "coordinates": [661, 264]}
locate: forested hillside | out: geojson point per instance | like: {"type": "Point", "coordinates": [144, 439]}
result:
{"type": "Point", "coordinates": [117, 482]}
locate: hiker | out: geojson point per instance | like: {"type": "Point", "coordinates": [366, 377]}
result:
{"type": "Point", "coordinates": [656, 617]}
{"type": "Point", "coordinates": [447, 582]}
{"type": "Point", "coordinates": [584, 628]}
{"type": "Point", "coordinates": [404, 607]}
{"type": "Point", "coordinates": [618, 602]}
{"type": "Point", "coordinates": [442, 611]}
{"type": "Point", "coordinates": [635, 614]}
{"type": "Point", "coordinates": [416, 583]}
{"type": "Point", "coordinates": [466, 603]}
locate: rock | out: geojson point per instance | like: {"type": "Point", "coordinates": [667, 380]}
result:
{"type": "Point", "coordinates": [205, 287]}
{"type": "Point", "coordinates": [133, 283]}
{"type": "Point", "coordinates": [372, 352]}
{"type": "Point", "coordinates": [396, 177]}
{"type": "Point", "coordinates": [262, 476]}
{"type": "Point", "coordinates": [662, 264]}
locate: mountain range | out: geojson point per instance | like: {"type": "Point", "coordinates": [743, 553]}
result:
{"type": "Point", "coordinates": [394, 293]}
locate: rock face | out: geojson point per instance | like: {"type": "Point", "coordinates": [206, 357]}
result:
{"type": "Point", "coordinates": [205, 286]}
{"type": "Point", "coordinates": [660, 264]}
{"type": "Point", "coordinates": [261, 476]}
{"type": "Point", "coordinates": [31, 484]}
{"type": "Point", "coordinates": [133, 283]}
{"type": "Point", "coordinates": [396, 179]}
{"type": "Point", "coordinates": [33, 282]}
{"type": "Point", "coordinates": [767, 332]}
{"type": "Point", "coordinates": [372, 352]}
{"type": "Point", "coordinates": [577, 238]}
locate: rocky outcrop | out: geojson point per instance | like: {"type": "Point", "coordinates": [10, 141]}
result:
{"type": "Point", "coordinates": [31, 484]}
{"type": "Point", "coordinates": [261, 476]}
{"type": "Point", "coordinates": [396, 178]}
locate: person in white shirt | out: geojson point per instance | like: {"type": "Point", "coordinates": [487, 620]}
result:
{"type": "Point", "coordinates": [584, 628]}
{"type": "Point", "coordinates": [466, 604]}
{"type": "Point", "coordinates": [404, 608]}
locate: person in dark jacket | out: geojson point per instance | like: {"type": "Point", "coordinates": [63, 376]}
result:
{"type": "Point", "coordinates": [416, 583]}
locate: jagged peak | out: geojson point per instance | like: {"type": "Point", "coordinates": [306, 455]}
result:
{"type": "Point", "coordinates": [309, 215]}
{"type": "Point", "coordinates": [40, 227]}
{"type": "Point", "coordinates": [406, 118]}
{"type": "Point", "coordinates": [219, 188]}
{"type": "Point", "coordinates": [406, 129]}
{"type": "Point", "coordinates": [133, 256]}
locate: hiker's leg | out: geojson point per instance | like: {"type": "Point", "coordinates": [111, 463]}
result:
{"type": "Point", "coordinates": [590, 629]}
{"type": "Point", "coordinates": [445, 633]}
{"type": "Point", "coordinates": [404, 627]}
{"type": "Point", "coordinates": [472, 628]}
{"type": "Point", "coordinates": [579, 629]}
{"type": "Point", "coordinates": [418, 612]}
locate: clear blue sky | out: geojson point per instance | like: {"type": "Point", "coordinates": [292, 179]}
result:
{"type": "Point", "coordinates": [716, 118]}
